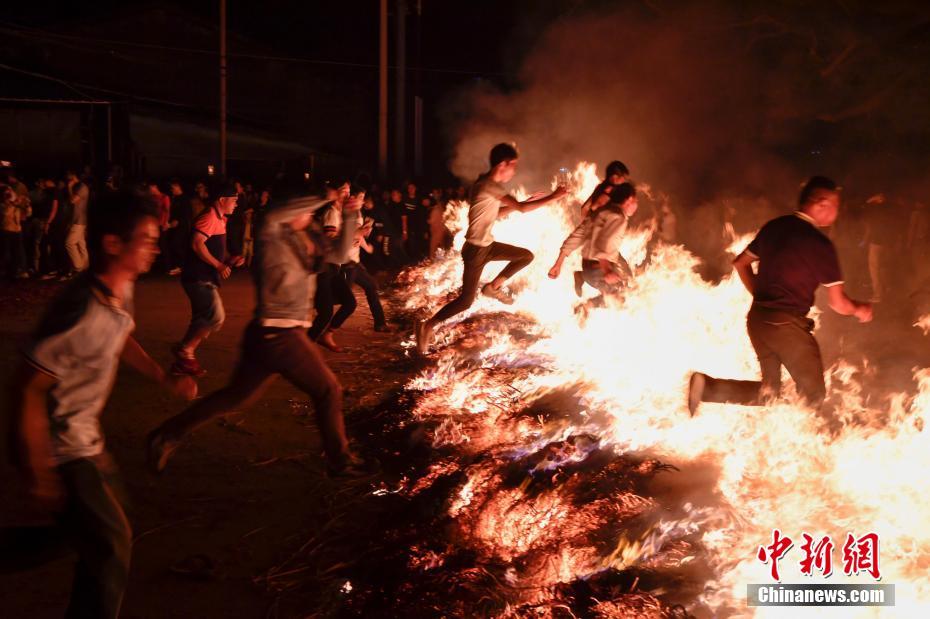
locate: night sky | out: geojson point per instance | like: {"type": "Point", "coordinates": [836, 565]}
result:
{"type": "Point", "coordinates": [854, 74]}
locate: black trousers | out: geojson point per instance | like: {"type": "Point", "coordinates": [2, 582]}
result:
{"type": "Point", "coordinates": [331, 290]}
{"type": "Point", "coordinates": [93, 523]}
{"type": "Point", "coordinates": [475, 259]}
{"type": "Point", "coordinates": [267, 353]}
{"type": "Point", "coordinates": [356, 273]}
{"type": "Point", "coordinates": [779, 339]}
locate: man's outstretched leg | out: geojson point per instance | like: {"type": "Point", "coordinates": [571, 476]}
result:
{"type": "Point", "coordinates": [518, 259]}
{"type": "Point", "coordinates": [247, 384]}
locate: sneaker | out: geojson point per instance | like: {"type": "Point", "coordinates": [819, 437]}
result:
{"type": "Point", "coordinates": [354, 467]}
{"type": "Point", "coordinates": [22, 275]}
{"type": "Point", "coordinates": [174, 271]}
{"type": "Point", "coordinates": [424, 334]}
{"type": "Point", "coordinates": [328, 342]}
{"type": "Point", "coordinates": [48, 276]}
{"type": "Point", "coordinates": [696, 391]}
{"type": "Point", "coordinates": [579, 283]}
{"type": "Point", "coordinates": [65, 277]}
{"type": "Point", "coordinates": [158, 451]}
{"type": "Point", "coordinates": [189, 366]}
{"type": "Point", "coordinates": [497, 293]}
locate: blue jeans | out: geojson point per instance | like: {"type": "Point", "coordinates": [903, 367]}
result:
{"type": "Point", "coordinates": [207, 310]}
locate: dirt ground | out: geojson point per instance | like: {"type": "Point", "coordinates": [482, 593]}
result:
{"type": "Point", "coordinates": [245, 492]}
{"type": "Point", "coordinates": [249, 492]}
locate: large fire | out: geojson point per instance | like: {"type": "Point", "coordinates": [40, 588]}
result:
{"type": "Point", "coordinates": [547, 392]}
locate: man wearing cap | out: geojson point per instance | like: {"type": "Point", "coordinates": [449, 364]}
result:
{"type": "Point", "coordinates": [795, 257]}
{"type": "Point", "coordinates": [205, 266]}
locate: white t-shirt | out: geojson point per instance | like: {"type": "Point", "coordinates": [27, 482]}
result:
{"type": "Point", "coordinates": [332, 220]}
{"type": "Point", "coordinates": [486, 196]}
{"type": "Point", "coordinates": [79, 344]}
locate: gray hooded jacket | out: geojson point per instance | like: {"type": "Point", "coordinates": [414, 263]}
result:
{"type": "Point", "coordinates": [285, 273]}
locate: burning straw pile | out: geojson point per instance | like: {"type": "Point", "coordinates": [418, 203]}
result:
{"type": "Point", "coordinates": [544, 465]}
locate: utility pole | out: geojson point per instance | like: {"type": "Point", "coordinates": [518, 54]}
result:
{"type": "Point", "coordinates": [383, 95]}
{"type": "Point", "coordinates": [400, 96]}
{"type": "Point", "coordinates": [418, 98]}
{"type": "Point", "coordinates": [223, 88]}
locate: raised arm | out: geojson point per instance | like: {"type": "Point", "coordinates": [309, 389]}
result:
{"type": "Point", "coordinates": [572, 242]}
{"type": "Point", "coordinates": [510, 204]}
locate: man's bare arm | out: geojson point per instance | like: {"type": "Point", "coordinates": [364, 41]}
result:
{"type": "Point", "coordinates": [743, 266]}
{"type": "Point", "coordinates": [32, 437]}
{"type": "Point", "coordinates": [843, 305]}
{"type": "Point", "coordinates": [510, 204]}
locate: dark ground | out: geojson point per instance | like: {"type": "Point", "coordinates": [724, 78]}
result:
{"type": "Point", "coordinates": [250, 494]}
{"type": "Point", "coordinates": [246, 493]}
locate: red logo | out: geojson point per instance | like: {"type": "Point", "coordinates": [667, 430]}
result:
{"type": "Point", "coordinates": [775, 551]}
{"type": "Point", "coordinates": [859, 554]}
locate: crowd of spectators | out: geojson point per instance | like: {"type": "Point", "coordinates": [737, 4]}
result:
{"type": "Point", "coordinates": [44, 222]}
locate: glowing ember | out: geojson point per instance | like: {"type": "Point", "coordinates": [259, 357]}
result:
{"type": "Point", "coordinates": [532, 400]}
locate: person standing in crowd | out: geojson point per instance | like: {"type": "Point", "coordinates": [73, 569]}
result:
{"type": "Point", "coordinates": [14, 211]}
{"type": "Point", "coordinates": [205, 267]}
{"type": "Point", "coordinates": [200, 200]}
{"type": "Point", "coordinates": [795, 257]}
{"type": "Point", "coordinates": [489, 201]}
{"type": "Point", "coordinates": [61, 388]}
{"type": "Point", "coordinates": [417, 213]}
{"type": "Point", "coordinates": [599, 235]}
{"type": "Point", "coordinates": [438, 233]}
{"type": "Point", "coordinates": [44, 211]}
{"type": "Point", "coordinates": [378, 254]}
{"type": "Point", "coordinates": [881, 232]}
{"type": "Point", "coordinates": [400, 221]}
{"type": "Point", "coordinates": [76, 240]}
{"type": "Point", "coordinates": [248, 236]}
{"type": "Point", "coordinates": [180, 219]}
{"type": "Point", "coordinates": [163, 202]}
{"type": "Point", "coordinates": [332, 288]}
{"type": "Point", "coordinates": [234, 224]}
{"type": "Point", "coordinates": [276, 342]}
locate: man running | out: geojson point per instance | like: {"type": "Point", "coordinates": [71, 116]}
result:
{"type": "Point", "coordinates": [794, 258]}
{"type": "Point", "coordinates": [287, 259]}
{"type": "Point", "coordinates": [61, 390]}
{"type": "Point", "coordinates": [489, 202]}
{"type": "Point", "coordinates": [206, 265]}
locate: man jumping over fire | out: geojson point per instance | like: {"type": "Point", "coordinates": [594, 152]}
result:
{"type": "Point", "coordinates": [599, 235]}
{"type": "Point", "coordinates": [794, 258]}
{"type": "Point", "coordinates": [489, 202]}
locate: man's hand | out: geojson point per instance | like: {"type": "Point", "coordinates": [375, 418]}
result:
{"type": "Point", "coordinates": [555, 270]}
{"type": "Point", "coordinates": [352, 203]}
{"type": "Point", "coordinates": [224, 270]}
{"type": "Point", "coordinates": [236, 261]}
{"type": "Point", "coordinates": [863, 312]}
{"type": "Point", "coordinates": [45, 488]}
{"type": "Point", "coordinates": [560, 191]}
{"type": "Point", "coordinates": [184, 387]}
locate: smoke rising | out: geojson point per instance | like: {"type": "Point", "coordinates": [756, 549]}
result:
{"type": "Point", "coordinates": [698, 99]}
